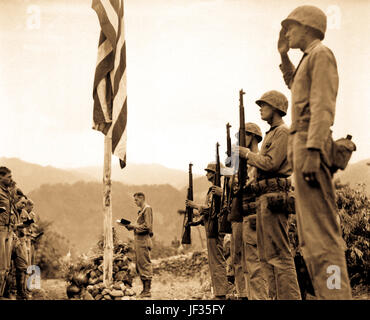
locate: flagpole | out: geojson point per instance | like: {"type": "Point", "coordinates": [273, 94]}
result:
{"type": "Point", "coordinates": [107, 211]}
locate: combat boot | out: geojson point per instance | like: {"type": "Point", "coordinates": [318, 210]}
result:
{"type": "Point", "coordinates": [21, 285]}
{"type": "Point", "coordinates": [146, 289]}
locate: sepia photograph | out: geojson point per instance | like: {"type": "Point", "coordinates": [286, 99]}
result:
{"type": "Point", "coordinates": [208, 151]}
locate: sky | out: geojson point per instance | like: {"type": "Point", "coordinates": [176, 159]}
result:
{"type": "Point", "coordinates": [186, 62]}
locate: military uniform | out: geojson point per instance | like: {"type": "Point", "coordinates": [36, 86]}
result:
{"type": "Point", "coordinates": [272, 221]}
{"type": "Point", "coordinates": [216, 259]}
{"type": "Point", "coordinates": [6, 235]}
{"type": "Point", "coordinates": [314, 87]}
{"type": "Point", "coordinates": [143, 243]}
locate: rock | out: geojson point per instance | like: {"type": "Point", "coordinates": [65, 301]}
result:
{"type": "Point", "coordinates": [125, 298]}
{"type": "Point", "coordinates": [130, 292]}
{"type": "Point", "coordinates": [122, 287]}
{"type": "Point", "coordinates": [105, 292]}
{"type": "Point", "coordinates": [98, 297]}
{"type": "Point", "coordinates": [87, 296]}
{"type": "Point", "coordinates": [107, 297]}
{"type": "Point", "coordinates": [116, 293]}
{"type": "Point", "coordinates": [119, 276]}
{"type": "Point", "coordinates": [90, 288]}
{"type": "Point", "coordinates": [117, 298]}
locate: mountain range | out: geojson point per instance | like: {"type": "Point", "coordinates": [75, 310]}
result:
{"type": "Point", "coordinates": [72, 199]}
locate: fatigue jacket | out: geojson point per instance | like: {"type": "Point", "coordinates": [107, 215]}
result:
{"type": "Point", "coordinates": [272, 161]}
{"type": "Point", "coordinates": [314, 87]}
{"type": "Point", "coordinates": [144, 221]}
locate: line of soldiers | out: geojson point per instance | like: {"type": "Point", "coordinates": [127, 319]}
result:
{"type": "Point", "coordinates": [18, 234]}
{"type": "Point", "coordinates": [260, 248]}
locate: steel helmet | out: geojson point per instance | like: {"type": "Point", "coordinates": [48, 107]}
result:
{"type": "Point", "coordinates": [255, 129]}
{"type": "Point", "coordinates": [275, 99]}
{"type": "Point", "coordinates": [212, 167]}
{"type": "Point", "coordinates": [308, 16]}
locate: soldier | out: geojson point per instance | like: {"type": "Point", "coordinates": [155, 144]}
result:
{"type": "Point", "coordinates": [314, 87]}
{"type": "Point", "coordinates": [257, 284]}
{"type": "Point", "coordinates": [19, 249]}
{"type": "Point", "coordinates": [143, 230]}
{"type": "Point", "coordinates": [216, 259]}
{"type": "Point", "coordinates": [272, 220]}
{"type": "Point", "coordinates": [6, 233]}
{"type": "Point", "coordinates": [243, 246]}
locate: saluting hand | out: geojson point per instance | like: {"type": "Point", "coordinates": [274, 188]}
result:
{"type": "Point", "coordinates": [283, 43]}
{"type": "Point", "coordinates": [216, 190]}
{"type": "Point", "coordinates": [311, 167]}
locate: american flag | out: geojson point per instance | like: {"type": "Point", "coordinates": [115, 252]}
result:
{"type": "Point", "coordinates": [110, 97]}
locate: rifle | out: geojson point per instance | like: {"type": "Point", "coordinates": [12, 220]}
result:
{"type": "Point", "coordinates": [225, 225]}
{"type": "Point", "coordinates": [188, 217]}
{"type": "Point", "coordinates": [216, 200]}
{"type": "Point", "coordinates": [237, 202]}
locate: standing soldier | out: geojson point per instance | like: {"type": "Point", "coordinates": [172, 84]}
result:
{"type": "Point", "coordinates": [257, 284]}
{"type": "Point", "coordinates": [244, 246]}
{"type": "Point", "coordinates": [272, 183]}
{"type": "Point", "coordinates": [216, 259]}
{"type": "Point", "coordinates": [6, 233]}
{"type": "Point", "coordinates": [143, 230]}
{"type": "Point", "coordinates": [314, 87]}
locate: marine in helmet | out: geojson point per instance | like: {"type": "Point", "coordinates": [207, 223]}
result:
{"type": "Point", "coordinates": [272, 182]}
{"type": "Point", "coordinates": [216, 258]}
{"type": "Point", "coordinates": [314, 87]}
{"type": "Point", "coordinates": [249, 278]}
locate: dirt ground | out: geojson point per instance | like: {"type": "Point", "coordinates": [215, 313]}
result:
{"type": "Point", "coordinates": [164, 287]}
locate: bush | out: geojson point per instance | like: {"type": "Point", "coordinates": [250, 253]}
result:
{"type": "Point", "coordinates": [354, 211]}
{"type": "Point", "coordinates": [50, 250]}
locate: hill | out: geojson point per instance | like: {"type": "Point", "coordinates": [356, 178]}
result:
{"type": "Point", "coordinates": [355, 174]}
{"type": "Point", "coordinates": [30, 176]}
{"type": "Point", "coordinates": [76, 210]}
{"type": "Point", "coordinates": [138, 174]}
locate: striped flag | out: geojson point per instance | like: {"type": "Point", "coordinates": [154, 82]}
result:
{"type": "Point", "coordinates": [110, 97]}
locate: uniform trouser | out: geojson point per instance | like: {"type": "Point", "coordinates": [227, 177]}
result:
{"type": "Point", "coordinates": [274, 252]}
{"type": "Point", "coordinates": [143, 246]}
{"type": "Point", "coordinates": [257, 284]}
{"type": "Point", "coordinates": [217, 265]}
{"type": "Point", "coordinates": [237, 258]}
{"type": "Point", "coordinates": [319, 231]}
{"type": "Point", "coordinates": [6, 242]}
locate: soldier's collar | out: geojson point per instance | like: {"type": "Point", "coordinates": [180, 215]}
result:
{"type": "Point", "coordinates": [276, 124]}
{"type": "Point", "coordinates": [312, 45]}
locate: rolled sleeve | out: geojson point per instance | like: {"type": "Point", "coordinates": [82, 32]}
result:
{"type": "Point", "coordinates": [287, 68]}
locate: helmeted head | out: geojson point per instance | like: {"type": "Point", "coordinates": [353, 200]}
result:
{"type": "Point", "coordinates": [309, 16]}
{"type": "Point", "coordinates": [5, 176]}
{"type": "Point", "coordinates": [254, 129]}
{"type": "Point", "coordinates": [211, 170]}
{"type": "Point", "coordinates": [274, 99]}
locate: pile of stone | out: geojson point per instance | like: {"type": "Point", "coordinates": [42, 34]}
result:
{"type": "Point", "coordinates": [86, 278]}
{"type": "Point", "coordinates": [186, 265]}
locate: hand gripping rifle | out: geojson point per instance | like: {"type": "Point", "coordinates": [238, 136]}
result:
{"type": "Point", "coordinates": [237, 202]}
{"type": "Point", "coordinates": [216, 200]}
{"type": "Point", "coordinates": [225, 225]}
{"type": "Point", "coordinates": [188, 217]}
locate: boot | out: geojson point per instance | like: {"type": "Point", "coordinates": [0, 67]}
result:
{"type": "Point", "coordinates": [146, 289]}
{"type": "Point", "coordinates": [21, 286]}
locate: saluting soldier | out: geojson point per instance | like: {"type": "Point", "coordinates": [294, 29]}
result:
{"type": "Point", "coordinates": [216, 259]}
{"type": "Point", "coordinates": [314, 87]}
{"type": "Point", "coordinates": [271, 183]}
